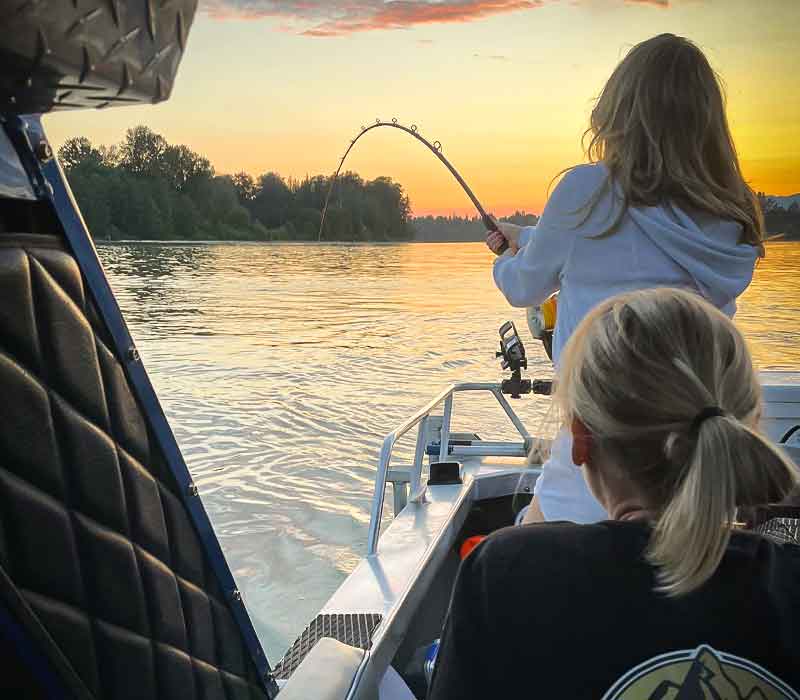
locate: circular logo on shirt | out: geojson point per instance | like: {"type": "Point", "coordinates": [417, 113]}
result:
{"type": "Point", "coordinates": [699, 674]}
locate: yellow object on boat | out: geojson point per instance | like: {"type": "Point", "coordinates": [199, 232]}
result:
{"type": "Point", "coordinates": [549, 312]}
{"type": "Point", "coordinates": [542, 318]}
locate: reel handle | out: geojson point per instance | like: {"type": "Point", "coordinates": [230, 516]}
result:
{"type": "Point", "coordinates": [492, 226]}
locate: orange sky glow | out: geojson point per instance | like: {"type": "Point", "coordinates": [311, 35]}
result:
{"type": "Point", "coordinates": [505, 85]}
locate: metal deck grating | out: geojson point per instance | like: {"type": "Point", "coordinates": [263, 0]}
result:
{"type": "Point", "coordinates": [786, 530]}
{"type": "Point", "coordinates": [353, 629]}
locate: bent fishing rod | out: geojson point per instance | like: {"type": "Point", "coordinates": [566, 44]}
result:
{"type": "Point", "coordinates": [436, 149]}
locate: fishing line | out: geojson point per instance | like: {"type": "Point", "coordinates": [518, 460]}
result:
{"type": "Point", "coordinates": [435, 148]}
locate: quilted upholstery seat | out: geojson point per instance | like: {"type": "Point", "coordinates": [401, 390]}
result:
{"type": "Point", "coordinates": [95, 544]}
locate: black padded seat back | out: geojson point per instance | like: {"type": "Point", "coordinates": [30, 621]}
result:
{"type": "Point", "coordinates": [99, 560]}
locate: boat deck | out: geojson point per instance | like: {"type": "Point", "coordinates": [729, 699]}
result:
{"type": "Point", "coordinates": [412, 551]}
{"type": "Point", "coordinates": [410, 570]}
{"type": "Point", "coordinates": [381, 581]}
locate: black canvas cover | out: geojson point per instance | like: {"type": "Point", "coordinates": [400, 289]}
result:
{"type": "Point", "coordinates": [99, 560]}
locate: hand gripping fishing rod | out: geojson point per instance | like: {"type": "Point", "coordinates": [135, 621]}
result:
{"type": "Point", "coordinates": [436, 149]}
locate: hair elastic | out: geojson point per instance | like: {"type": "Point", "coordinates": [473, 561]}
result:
{"type": "Point", "coordinates": [704, 415]}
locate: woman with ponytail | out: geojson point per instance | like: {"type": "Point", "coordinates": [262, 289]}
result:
{"type": "Point", "coordinates": [667, 598]}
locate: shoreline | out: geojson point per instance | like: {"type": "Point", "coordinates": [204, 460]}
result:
{"type": "Point", "coordinates": [779, 239]}
{"type": "Point", "coordinates": [334, 244]}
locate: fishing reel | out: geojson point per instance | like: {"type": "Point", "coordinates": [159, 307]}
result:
{"type": "Point", "coordinates": [512, 352]}
{"type": "Point", "coordinates": [514, 358]}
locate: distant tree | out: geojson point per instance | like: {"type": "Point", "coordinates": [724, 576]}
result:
{"type": "Point", "coordinates": [79, 151]}
{"type": "Point", "coordinates": [350, 195]}
{"type": "Point", "coordinates": [376, 221]}
{"type": "Point", "coordinates": [310, 193]}
{"type": "Point", "coordinates": [163, 197]}
{"type": "Point", "coordinates": [270, 205]}
{"type": "Point", "coordinates": [141, 151]}
{"type": "Point", "coordinates": [218, 202]}
{"type": "Point", "coordinates": [521, 218]}
{"type": "Point", "coordinates": [245, 187]}
{"type": "Point", "coordinates": [339, 225]}
{"type": "Point", "coordinates": [188, 221]}
{"type": "Point", "coordinates": [141, 217]}
{"type": "Point", "coordinates": [109, 156]}
{"type": "Point", "coordinates": [91, 189]}
{"type": "Point", "coordinates": [180, 165]}
{"type": "Point", "coordinates": [392, 210]}
{"type": "Point", "coordinates": [306, 222]}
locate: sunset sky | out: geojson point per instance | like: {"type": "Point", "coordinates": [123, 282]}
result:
{"type": "Point", "coordinates": [505, 85]}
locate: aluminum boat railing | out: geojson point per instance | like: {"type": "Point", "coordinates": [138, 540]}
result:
{"type": "Point", "coordinates": [422, 420]}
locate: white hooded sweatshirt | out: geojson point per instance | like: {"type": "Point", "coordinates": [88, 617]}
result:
{"type": "Point", "coordinates": [662, 246]}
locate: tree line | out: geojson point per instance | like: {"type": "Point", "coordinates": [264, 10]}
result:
{"type": "Point", "coordinates": [462, 228]}
{"type": "Point", "coordinates": [780, 221]}
{"type": "Point", "coordinates": [147, 188]}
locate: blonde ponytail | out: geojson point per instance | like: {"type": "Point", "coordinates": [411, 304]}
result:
{"type": "Point", "coordinates": [666, 386]}
{"type": "Point", "coordinates": [730, 466]}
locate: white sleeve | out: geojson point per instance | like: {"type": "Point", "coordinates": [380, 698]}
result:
{"type": "Point", "coordinates": [534, 273]}
{"type": "Point", "coordinates": [561, 489]}
{"type": "Point", "coordinates": [525, 235]}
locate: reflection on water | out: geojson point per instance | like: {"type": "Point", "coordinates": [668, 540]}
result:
{"type": "Point", "coordinates": [282, 368]}
{"type": "Point", "coordinates": [769, 312]}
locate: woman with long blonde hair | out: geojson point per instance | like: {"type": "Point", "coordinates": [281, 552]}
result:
{"type": "Point", "coordinates": [666, 599]}
{"type": "Point", "coordinates": [661, 203]}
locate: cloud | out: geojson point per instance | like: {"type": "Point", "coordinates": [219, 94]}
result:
{"type": "Point", "coordinates": [325, 18]}
{"type": "Point", "coordinates": [401, 14]}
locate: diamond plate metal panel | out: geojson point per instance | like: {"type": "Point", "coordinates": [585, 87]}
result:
{"type": "Point", "coordinates": [353, 629]}
{"type": "Point", "coordinates": [78, 54]}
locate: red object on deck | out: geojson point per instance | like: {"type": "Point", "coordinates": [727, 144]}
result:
{"type": "Point", "coordinates": [469, 544]}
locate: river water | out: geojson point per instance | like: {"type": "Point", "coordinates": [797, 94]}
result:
{"type": "Point", "coordinates": [282, 367]}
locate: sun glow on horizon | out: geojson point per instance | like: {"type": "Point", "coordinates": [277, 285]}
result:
{"type": "Point", "coordinates": [505, 86]}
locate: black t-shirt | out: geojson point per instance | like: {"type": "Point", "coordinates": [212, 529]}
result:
{"type": "Point", "coordinates": [557, 611]}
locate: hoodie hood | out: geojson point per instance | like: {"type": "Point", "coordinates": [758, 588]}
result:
{"type": "Point", "coordinates": [707, 248]}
